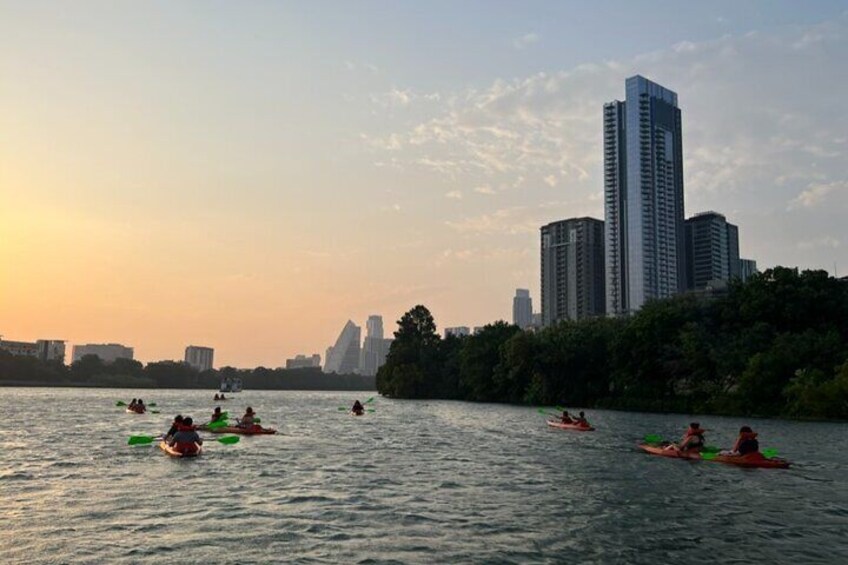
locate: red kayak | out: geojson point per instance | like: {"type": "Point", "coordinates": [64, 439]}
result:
{"type": "Point", "coordinates": [135, 411]}
{"type": "Point", "coordinates": [176, 453]}
{"type": "Point", "coordinates": [575, 427]}
{"type": "Point", "coordinates": [255, 430]}
{"type": "Point", "coordinates": [749, 460]}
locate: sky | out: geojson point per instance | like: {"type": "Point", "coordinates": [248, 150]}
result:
{"type": "Point", "coordinates": [250, 175]}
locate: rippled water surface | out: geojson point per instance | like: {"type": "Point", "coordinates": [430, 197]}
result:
{"type": "Point", "coordinates": [416, 481]}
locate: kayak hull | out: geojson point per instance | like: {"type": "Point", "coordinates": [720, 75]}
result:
{"type": "Point", "coordinates": [131, 411]}
{"type": "Point", "coordinates": [752, 460]}
{"type": "Point", "coordinates": [575, 427]}
{"type": "Point", "coordinates": [179, 454]}
{"type": "Point", "coordinates": [655, 449]}
{"type": "Point", "coordinates": [243, 431]}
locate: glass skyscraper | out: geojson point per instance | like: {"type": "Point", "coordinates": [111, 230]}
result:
{"type": "Point", "coordinates": [643, 197]}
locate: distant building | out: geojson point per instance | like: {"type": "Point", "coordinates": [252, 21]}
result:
{"type": "Point", "coordinates": [537, 319]}
{"type": "Point", "coordinates": [108, 352]}
{"type": "Point", "coordinates": [304, 362]}
{"type": "Point", "coordinates": [712, 249]}
{"type": "Point", "coordinates": [522, 308]}
{"type": "Point", "coordinates": [458, 331]}
{"type": "Point", "coordinates": [572, 270]}
{"type": "Point", "coordinates": [42, 349]}
{"type": "Point", "coordinates": [375, 348]}
{"type": "Point", "coordinates": [343, 357]}
{"type": "Point", "coordinates": [747, 269]}
{"type": "Point", "coordinates": [643, 197]}
{"type": "Point", "coordinates": [199, 357]}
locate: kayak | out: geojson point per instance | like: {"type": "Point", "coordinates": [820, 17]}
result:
{"type": "Point", "coordinates": [655, 449]}
{"type": "Point", "coordinates": [352, 413]}
{"type": "Point", "coordinates": [755, 459]}
{"type": "Point", "coordinates": [255, 430]}
{"type": "Point", "coordinates": [575, 427]}
{"type": "Point", "coordinates": [749, 460]}
{"type": "Point", "coordinates": [134, 411]}
{"type": "Point", "coordinates": [174, 453]}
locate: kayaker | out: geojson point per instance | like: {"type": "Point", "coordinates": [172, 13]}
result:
{"type": "Point", "coordinates": [746, 443]}
{"type": "Point", "coordinates": [132, 404]}
{"type": "Point", "coordinates": [565, 418]}
{"type": "Point", "coordinates": [216, 415]}
{"type": "Point", "coordinates": [358, 409]}
{"type": "Point", "coordinates": [693, 439]}
{"type": "Point", "coordinates": [246, 421]}
{"type": "Point", "coordinates": [581, 420]}
{"type": "Point", "coordinates": [175, 425]}
{"type": "Point", "coordinates": [222, 397]}
{"type": "Point", "coordinates": [186, 439]}
{"type": "Point", "coordinates": [140, 407]}
{"type": "Point", "coordinates": [216, 397]}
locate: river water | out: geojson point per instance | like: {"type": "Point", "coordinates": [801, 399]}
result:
{"type": "Point", "coordinates": [413, 482]}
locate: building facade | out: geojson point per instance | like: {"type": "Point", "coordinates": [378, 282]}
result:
{"type": "Point", "coordinates": [457, 331]}
{"type": "Point", "coordinates": [304, 362]}
{"type": "Point", "coordinates": [572, 259]}
{"type": "Point", "coordinates": [199, 357]}
{"type": "Point", "coordinates": [343, 357]}
{"type": "Point", "coordinates": [375, 347]}
{"type": "Point", "coordinates": [108, 352]}
{"type": "Point", "coordinates": [522, 308]}
{"type": "Point", "coordinates": [747, 268]}
{"type": "Point", "coordinates": [712, 249]}
{"type": "Point", "coordinates": [643, 197]}
{"type": "Point", "coordinates": [42, 349]}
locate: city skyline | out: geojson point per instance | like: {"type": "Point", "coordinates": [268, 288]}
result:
{"type": "Point", "coordinates": [251, 189]}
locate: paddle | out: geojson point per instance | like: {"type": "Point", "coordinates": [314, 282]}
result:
{"type": "Point", "coordinates": [120, 403]}
{"type": "Point", "coordinates": [551, 414]}
{"type": "Point", "coordinates": [653, 438]}
{"type": "Point", "coordinates": [152, 404]}
{"type": "Point", "coordinates": [769, 453]}
{"type": "Point", "coordinates": [145, 440]}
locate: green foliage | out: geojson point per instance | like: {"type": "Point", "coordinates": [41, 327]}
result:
{"type": "Point", "coordinates": [766, 347]}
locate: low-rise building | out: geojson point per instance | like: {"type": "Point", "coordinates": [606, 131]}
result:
{"type": "Point", "coordinates": [304, 362]}
{"type": "Point", "coordinates": [199, 357]}
{"type": "Point", "coordinates": [458, 331]}
{"type": "Point", "coordinates": [108, 352]}
{"type": "Point", "coordinates": [43, 349]}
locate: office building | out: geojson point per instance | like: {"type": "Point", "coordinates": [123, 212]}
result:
{"type": "Point", "coordinates": [199, 357]}
{"type": "Point", "coordinates": [712, 250]}
{"type": "Point", "coordinates": [572, 270]}
{"type": "Point", "coordinates": [304, 362]}
{"type": "Point", "coordinates": [343, 357]}
{"type": "Point", "coordinates": [522, 308]}
{"type": "Point", "coordinates": [375, 347]}
{"type": "Point", "coordinates": [747, 268]}
{"type": "Point", "coordinates": [643, 197]}
{"type": "Point", "coordinates": [42, 349]}
{"type": "Point", "coordinates": [108, 352]}
{"type": "Point", "coordinates": [458, 331]}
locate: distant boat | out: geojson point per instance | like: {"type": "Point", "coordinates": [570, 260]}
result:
{"type": "Point", "coordinates": [230, 384]}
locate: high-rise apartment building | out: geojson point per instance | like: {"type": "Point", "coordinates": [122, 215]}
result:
{"type": "Point", "coordinates": [522, 308]}
{"type": "Point", "coordinates": [572, 270]}
{"type": "Point", "coordinates": [199, 357]}
{"type": "Point", "coordinates": [643, 197]}
{"type": "Point", "coordinates": [712, 250]}
{"type": "Point", "coordinates": [108, 352]}
{"type": "Point", "coordinates": [375, 348]}
{"type": "Point", "coordinates": [343, 357]}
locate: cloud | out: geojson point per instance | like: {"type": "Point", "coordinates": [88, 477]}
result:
{"type": "Point", "coordinates": [816, 193]}
{"type": "Point", "coordinates": [525, 40]}
{"type": "Point", "coordinates": [454, 194]}
{"type": "Point", "coordinates": [484, 189]}
{"type": "Point", "coordinates": [828, 242]}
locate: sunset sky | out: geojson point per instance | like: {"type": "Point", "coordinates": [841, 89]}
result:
{"type": "Point", "coordinates": [250, 175]}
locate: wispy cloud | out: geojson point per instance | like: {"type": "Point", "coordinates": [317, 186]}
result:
{"type": "Point", "coordinates": [525, 40]}
{"type": "Point", "coordinates": [454, 194]}
{"type": "Point", "coordinates": [817, 193]}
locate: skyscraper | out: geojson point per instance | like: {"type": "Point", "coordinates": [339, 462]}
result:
{"type": "Point", "coordinates": [572, 270]}
{"type": "Point", "coordinates": [747, 268]}
{"type": "Point", "coordinates": [712, 248]}
{"type": "Point", "coordinates": [522, 308]}
{"type": "Point", "coordinates": [375, 348]}
{"type": "Point", "coordinates": [343, 357]}
{"type": "Point", "coordinates": [643, 197]}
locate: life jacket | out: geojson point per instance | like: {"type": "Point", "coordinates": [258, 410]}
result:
{"type": "Point", "coordinates": [186, 447]}
{"type": "Point", "coordinates": [695, 432]}
{"type": "Point", "coordinates": [183, 428]}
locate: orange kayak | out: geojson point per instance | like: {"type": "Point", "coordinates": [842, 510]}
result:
{"type": "Point", "coordinates": [575, 427]}
{"type": "Point", "coordinates": [755, 459]}
{"type": "Point", "coordinates": [655, 449]}
{"type": "Point", "coordinates": [174, 453]}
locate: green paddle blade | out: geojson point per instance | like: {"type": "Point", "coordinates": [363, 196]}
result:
{"type": "Point", "coordinates": [560, 408]}
{"type": "Point", "coordinates": [229, 440]}
{"type": "Point", "coordinates": [653, 438]}
{"type": "Point", "coordinates": [342, 408]}
{"type": "Point", "coordinates": [152, 404]}
{"type": "Point", "coordinates": [369, 400]}
{"type": "Point", "coordinates": [709, 455]}
{"type": "Point", "coordinates": [154, 411]}
{"type": "Point", "coordinates": [140, 440]}
{"type": "Point", "coordinates": [710, 449]}
{"type": "Point", "coordinates": [769, 453]}
{"type": "Point", "coordinates": [257, 420]}
{"type": "Point", "coordinates": [218, 424]}
{"type": "Point", "coordinates": [120, 403]}
{"type": "Point", "coordinates": [371, 410]}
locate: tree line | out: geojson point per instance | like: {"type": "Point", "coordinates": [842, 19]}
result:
{"type": "Point", "coordinates": [775, 345]}
{"type": "Point", "coordinates": [127, 373]}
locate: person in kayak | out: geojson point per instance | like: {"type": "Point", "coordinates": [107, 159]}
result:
{"type": "Point", "coordinates": [222, 397]}
{"type": "Point", "coordinates": [175, 425]}
{"type": "Point", "coordinates": [186, 439]}
{"type": "Point", "coordinates": [565, 418]}
{"type": "Point", "coordinates": [140, 407]}
{"type": "Point", "coordinates": [216, 397]}
{"type": "Point", "coordinates": [132, 404]}
{"type": "Point", "coordinates": [358, 408]}
{"type": "Point", "coordinates": [246, 421]}
{"type": "Point", "coordinates": [581, 420]}
{"type": "Point", "coordinates": [216, 415]}
{"type": "Point", "coordinates": [746, 443]}
{"type": "Point", "coordinates": [693, 439]}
